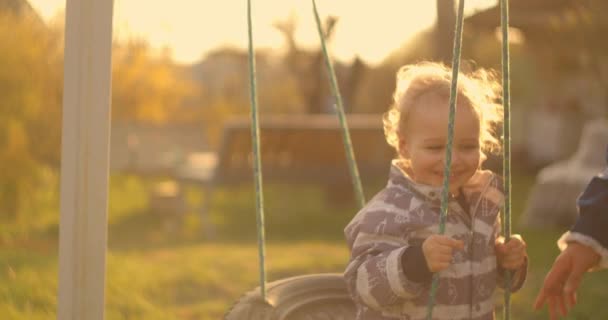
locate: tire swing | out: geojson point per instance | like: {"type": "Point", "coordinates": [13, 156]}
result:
{"type": "Point", "coordinates": [310, 297]}
{"type": "Point", "coordinates": [324, 296]}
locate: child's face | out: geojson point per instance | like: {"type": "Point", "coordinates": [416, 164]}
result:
{"type": "Point", "coordinates": [424, 141]}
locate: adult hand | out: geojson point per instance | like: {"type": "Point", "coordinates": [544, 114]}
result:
{"type": "Point", "coordinates": [438, 251]}
{"type": "Point", "coordinates": [562, 281]}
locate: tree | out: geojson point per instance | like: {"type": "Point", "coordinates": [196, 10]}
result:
{"type": "Point", "coordinates": [444, 30]}
{"type": "Point", "coordinates": [30, 108]}
{"type": "Point", "coordinates": [147, 88]}
{"type": "Point", "coordinates": [308, 66]}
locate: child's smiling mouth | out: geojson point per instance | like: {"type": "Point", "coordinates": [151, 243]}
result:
{"type": "Point", "coordinates": [453, 175]}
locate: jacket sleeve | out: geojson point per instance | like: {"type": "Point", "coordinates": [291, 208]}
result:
{"type": "Point", "coordinates": [375, 274]}
{"type": "Point", "coordinates": [592, 223]}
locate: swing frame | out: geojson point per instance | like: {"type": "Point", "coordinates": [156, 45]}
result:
{"type": "Point", "coordinates": [504, 4]}
{"type": "Point", "coordinates": [85, 160]}
{"type": "Point", "coordinates": [85, 156]}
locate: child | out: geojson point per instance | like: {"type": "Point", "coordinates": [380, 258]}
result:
{"type": "Point", "coordinates": [394, 240]}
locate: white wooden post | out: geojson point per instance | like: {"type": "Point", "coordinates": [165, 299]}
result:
{"type": "Point", "coordinates": [85, 157]}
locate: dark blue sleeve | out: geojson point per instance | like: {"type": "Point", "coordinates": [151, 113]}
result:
{"type": "Point", "coordinates": [593, 209]}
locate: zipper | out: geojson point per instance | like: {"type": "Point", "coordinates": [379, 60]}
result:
{"type": "Point", "coordinates": [471, 242]}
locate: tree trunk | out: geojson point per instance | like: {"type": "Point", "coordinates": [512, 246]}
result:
{"type": "Point", "coordinates": [309, 67]}
{"type": "Point", "coordinates": [444, 30]}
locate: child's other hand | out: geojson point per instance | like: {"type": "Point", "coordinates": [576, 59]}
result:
{"type": "Point", "coordinates": [510, 255]}
{"type": "Point", "coordinates": [438, 250]}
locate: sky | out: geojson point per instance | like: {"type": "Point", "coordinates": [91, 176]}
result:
{"type": "Point", "coordinates": [191, 28]}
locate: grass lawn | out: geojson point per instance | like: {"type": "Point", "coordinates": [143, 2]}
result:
{"type": "Point", "coordinates": [181, 282]}
{"type": "Point", "coordinates": [155, 274]}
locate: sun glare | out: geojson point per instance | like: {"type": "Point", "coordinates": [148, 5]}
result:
{"type": "Point", "coordinates": [370, 30]}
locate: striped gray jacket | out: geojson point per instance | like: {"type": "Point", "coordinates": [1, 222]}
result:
{"type": "Point", "coordinates": [405, 213]}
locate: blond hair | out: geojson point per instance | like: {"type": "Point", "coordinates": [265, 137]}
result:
{"type": "Point", "coordinates": [477, 89]}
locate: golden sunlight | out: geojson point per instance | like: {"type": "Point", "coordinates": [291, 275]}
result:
{"type": "Point", "coordinates": [190, 29]}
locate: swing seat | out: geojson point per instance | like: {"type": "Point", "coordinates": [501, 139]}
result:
{"type": "Point", "coordinates": [311, 297]}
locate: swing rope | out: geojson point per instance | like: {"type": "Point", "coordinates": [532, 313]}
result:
{"type": "Point", "coordinates": [355, 177]}
{"type": "Point", "coordinates": [506, 141]}
{"type": "Point", "coordinates": [506, 100]}
{"type": "Point", "coordinates": [448, 153]}
{"type": "Point", "coordinates": [255, 136]}
{"type": "Point", "coordinates": [348, 146]}
{"type": "Point", "coordinates": [257, 161]}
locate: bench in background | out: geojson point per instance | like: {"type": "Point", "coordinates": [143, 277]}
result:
{"type": "Point", "coordinates": [301, 149]}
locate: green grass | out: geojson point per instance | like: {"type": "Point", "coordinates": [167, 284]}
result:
{"type": "Point", "coordinates": [159, 273]}
{"type": "Point", "coordinates": [182, 282]}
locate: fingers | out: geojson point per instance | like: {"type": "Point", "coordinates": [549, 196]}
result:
{"type": "Point", "coordinates": [553, 291]}
{"type": "Point", "coordinates": [513, 262]}
{"type": "Point", "coordinates": [572, 283]}
{"type": "Point", "coordinates": [438, 251]}
{"type": "Point", "coordinates": [449, 242]}
{"type": "Point", "coordinates": [459, 245]}
{"type": "Point", "coordinates": [500, 248]}
{"type": "Point", "coordinates": [443, 250]}
{"type": "Point", "coordinates": [437, 261]}
{"type": "Point", "coordinates": [561, 305]}
{"type": "Point", "coordinates": [515, 242]}
{"type": "Point", "coordinates": [580, 258]}
{"type": "Point", "coordinates": [441, 241]}
{"type": "Point", "coordinates": [557, 307]}
{"type": "Point", "coordinates": [557, 304]}
{"type": "Point", "coordinates": [552, 308]}
{"type": "Point", "coordinates": [541, 298]}
{"type": "Point", "coordinates": [557, 276]}
{"type": "Point", "coordinates": [439, 266]}
{"type": "Point", "coordinates": [517, 237]}
{"type": "Point", "coordinates": [512, 254]}
{"type": "Point", "coordinates": [571, 299]}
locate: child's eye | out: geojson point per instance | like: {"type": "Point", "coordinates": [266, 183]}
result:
{"type": "Point", "coordinates": [435, 148]}
{"type": "Point", "coordinates": [470, 147]}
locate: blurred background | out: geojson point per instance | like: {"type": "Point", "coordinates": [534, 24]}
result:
{"type": "Point", "coordinates": [182, 226]}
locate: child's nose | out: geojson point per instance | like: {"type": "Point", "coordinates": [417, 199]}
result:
{"type": "Point", "coordinates": [456, 158]}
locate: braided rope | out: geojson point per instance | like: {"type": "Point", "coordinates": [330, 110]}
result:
{"type": "Point", "coordinates": [348, 146]}
{"type": "Point", "coordinates": [349, 149]}
{"type": "Point", "coordinates": [506, 100]}
{"type": "Point", "coordinates": [257, 162]}
{"type": "Point", "coordinates": [448, 152]}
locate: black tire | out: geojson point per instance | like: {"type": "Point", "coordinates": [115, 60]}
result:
{"type": "Point", "coordinates": [309, 297]}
